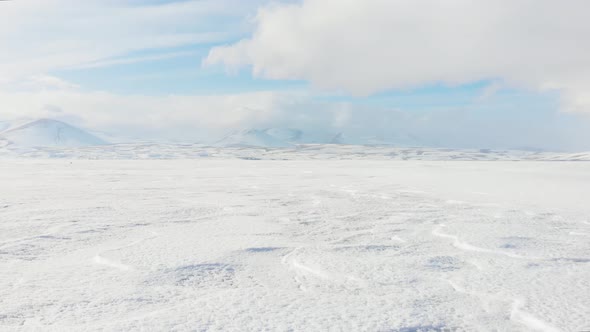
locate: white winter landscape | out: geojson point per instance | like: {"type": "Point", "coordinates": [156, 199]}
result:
{"type": "Point", "coordinates": [317, 237]}
{"type": "Point", "coordinates": [295, 165]}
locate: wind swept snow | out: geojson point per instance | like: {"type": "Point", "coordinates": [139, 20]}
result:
{"type": "Point", "coordinates": [291, 152]}
{"type": "Point", "coordinates": [218, 244]}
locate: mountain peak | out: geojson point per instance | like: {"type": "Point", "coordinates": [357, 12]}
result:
{"type": "Point", "coordinates": [252, 137]}
{"type": "Point", "coordinates": [49, 132]}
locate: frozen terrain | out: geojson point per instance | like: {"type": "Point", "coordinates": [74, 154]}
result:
{"type": "Point", "coordinates": [45, 133]}
{"type": "Point", "coordinates": [306, 245]}
{"type": "Point", "coordinates": [296, 152]}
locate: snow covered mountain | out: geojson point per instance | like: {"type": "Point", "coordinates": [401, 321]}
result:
{"type": "Point", "coordinates": [4, 125]}
{"type": "Point", "coordinates": [7, 125]}
{"type": "Point", "coordinates": [47, 132]}
{"type": "Point", "coordinates": [289, 135]}
{"type": "Point", "coordinates": [254, 137]}
{"type": "Point", "coordinates": [394, 139]}
{"type": "Point", "coordinates": [285, 137]}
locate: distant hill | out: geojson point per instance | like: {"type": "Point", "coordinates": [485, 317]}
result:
{"type": "Point", "coordinates": [285, 137]}
{"type": "Point", "coordinates": [48, 132]}
{"type": "Point", "coordinates": [252, 138]}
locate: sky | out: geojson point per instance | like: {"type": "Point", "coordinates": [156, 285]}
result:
{"type": "Point", "coordinates": [466, 74]}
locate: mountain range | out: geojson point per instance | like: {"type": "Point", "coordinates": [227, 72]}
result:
{"type": "Point", "coordinates": [55, 133]}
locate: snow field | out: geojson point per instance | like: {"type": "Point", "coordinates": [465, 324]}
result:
{"type": "Point", "coordinates": [294, 245]}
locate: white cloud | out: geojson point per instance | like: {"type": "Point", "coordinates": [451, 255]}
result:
{"type": "Point", "coordinates": [358, 46]}
{"type": "Point", "coordinates": [164, 117]}
{"type": "Point", "coordinates": [40, 36]}
{"type": "Point", "coordinates": [136, 59]}
{"type": "Point", "coordinates": [363, 47]}
{"type": "Point", "coordinates": [44, 82]}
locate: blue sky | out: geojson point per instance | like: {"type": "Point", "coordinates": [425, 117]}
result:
{"type": "Point", "coordinates": [181, 73]}
{"type": "Point", "coordinates": [196, 69]}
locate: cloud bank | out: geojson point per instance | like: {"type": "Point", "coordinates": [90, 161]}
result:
{"type": "Point", "coordinates": [363, 47]}
{"type": "Point", "coordinates": [206, 118]}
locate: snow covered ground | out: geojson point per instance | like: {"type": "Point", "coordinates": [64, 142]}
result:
{"type": "Point", "coordinates": [149, 151]}
{"type": "Point", "coordinates": [305, 245]}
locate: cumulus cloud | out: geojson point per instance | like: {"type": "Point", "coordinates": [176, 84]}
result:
{"type": "Point", "coordinates": [339, 45]}
{"type": "Point", "coordinates": [363, 47]}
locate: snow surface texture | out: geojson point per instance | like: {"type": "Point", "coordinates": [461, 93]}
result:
{"type": "Point", "coordinates": [299, 152]}
{"type": "Point", "coordinates": [46, 133]}
{"type": "Point", "coordinates": [215, 244]}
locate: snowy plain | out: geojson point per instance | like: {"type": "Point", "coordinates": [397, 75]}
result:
{"type": "Point", "coordinates": [307, 244]}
